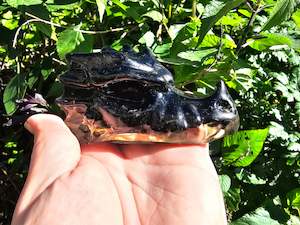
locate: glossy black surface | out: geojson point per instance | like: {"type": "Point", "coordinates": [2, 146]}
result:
{"type": "Point", "coordinates": [138, 90]}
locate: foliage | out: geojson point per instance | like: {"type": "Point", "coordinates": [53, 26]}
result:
{"type": "Point", "coordinates": [253, 45]}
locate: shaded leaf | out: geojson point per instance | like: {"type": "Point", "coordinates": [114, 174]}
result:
{"type": "Point", "coordinates": [209, 22]}
{"type": "Point", "coordinates": [232, 199]}
{"type": "Point", "coordinates": [86, 45]}
{"type": "Point", "coordinates": [68, 40]}
{"type": "Point", "coordinates": [47, 30]}
{"type": "Point", "coordinates": [282, 11]}
{"type": "Point", "coordinates": [56, 90]}
{"type": "Point", "coordinates": [242, 148]}
{"type": "Point", "coordinates": [258, 217]}
{"type": "Point", "coordinates": [14, 90]}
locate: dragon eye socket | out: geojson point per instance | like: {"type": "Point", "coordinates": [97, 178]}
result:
{"type": "Point", "coordinates": [131, 94]}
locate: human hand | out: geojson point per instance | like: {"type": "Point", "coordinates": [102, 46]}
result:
{"type": "Point", "coordinates": [160, 184]}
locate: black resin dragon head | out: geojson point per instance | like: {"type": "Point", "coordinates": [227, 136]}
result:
{"type": "Point", "coordinates": [128, 96]}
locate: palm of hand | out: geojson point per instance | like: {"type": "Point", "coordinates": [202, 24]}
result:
{"type": "Point", "coordinates": [116, 184]}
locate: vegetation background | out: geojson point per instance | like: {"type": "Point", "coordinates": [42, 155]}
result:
{"type": "Point", "coordinates": [251, 44]}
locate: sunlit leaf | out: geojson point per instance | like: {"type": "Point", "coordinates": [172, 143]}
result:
{"type": "Point", "coordinates": [55, 7]}
{"type": "Point", "coordinates": [211, 40]}
{"type": "Point", "coordinates": [293, 199]}
{"type": "Point", "coordinates": [10, 24]}
{"type": "Point", "coordinates": [296, 17]}
{"type": "Point", "coordinates": [155, 15]}
{"type": "Point", "coordinates": [242, 148]}
{"type": "Point", "coordinates": [249, 178]}
{"type": "Point", "coordinates": [197, 55]}
{"type": "Point", "coordinates": [225, 182]}
{"type": "Point", "coordinates": [269, 40]}
{"type": "Point", "coordinates": [282, 11]}
{"type": "Point", "coordinates": [101, 4]}
{"type": "Point", "coordinates": [148, 38]}
{"type": "Point", "coordinates": [16, 3]}
{"type": "Point", "coordinates": [231, 19]}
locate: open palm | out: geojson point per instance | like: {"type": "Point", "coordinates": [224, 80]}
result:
{"type": "Point", "coordinates": [159, 184]}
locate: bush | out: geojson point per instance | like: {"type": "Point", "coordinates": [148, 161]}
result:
{"type": "Point", "coordinates": [252, 45]}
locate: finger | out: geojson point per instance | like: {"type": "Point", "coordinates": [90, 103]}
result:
{"type": "Point", "coordinates": [55, 152]}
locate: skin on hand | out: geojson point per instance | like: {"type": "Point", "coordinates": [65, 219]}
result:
{"type": "Point", "coordinates": [159, 184]}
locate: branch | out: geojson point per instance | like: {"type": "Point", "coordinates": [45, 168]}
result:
{"type": "Point", "coordinates": [19, 29]}
{"type": "Point", "coordinates": [82, 31]}
{"type": "Point", "coordinates": [218, 55]}
{"type": "Point", "coordinates": [37, 19]}
{"type": "Point", "coordinates": [248, 27]}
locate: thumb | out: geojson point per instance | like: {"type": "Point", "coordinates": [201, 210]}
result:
{"type": "Point", "coordinates": [56, 151]}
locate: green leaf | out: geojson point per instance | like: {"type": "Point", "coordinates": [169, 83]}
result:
{"type": "Point", "coordinates": [14, 90]}
{"type": "Point", "coordinates": [296, 18]}
{"type": "Point", "coordinates": [129, 11]}
{"type": "Point", "coordinates": [269, 40]}
{"type": "Point", "coordinates": [211, 40]}
{"type": "Point", "coordinates": [258, 217]}
{"type": "Point", "coordinates": [16, 3]}
{"type": "Point", "coordinates": [277, 131]}
{"type": "Point", "coordinates": [32, 79]}
{"type": "Point", "coordinates": [148, 38]}
{"type": "Point", "coordinates": [155, 15]}
{"type": "Point", "coordinates": [294, 220]}
{"type": "Point", "coordinates": [162, 50]}
{"type": "Point", "coordinates": [56, 90]}
{"type": "Point", "coordinates": [249, 178]}
{"type": "Point", "coordinates": [184, 38]}
{"type": "Point", "coordinates": [47, 30]}
{"type": "Point", "coordinates": [86, 45]}
{"type": "Point", "coordinates": [232, 19]}
{"type": "Point", "coordinates": [232, 198]}
{"type": "Point", "coordinates": [225, 182]}
{"type": "Point", "coordinates": [282, 11]}
{"type": "Point", "coordinates": [68, 40]}
{"type": "Point", "coordinates": [67, 6]}
{"type": "Point", "coordinates": [242, 148]}
{"type": "Point", "coordinates": [209, 22]}
{"type": "Point", "coordinates": [174, 29]}
{"type": "Point", "coordinates": [197, 55]}
{"type": "Point", "coordinates": [10, 24]}
{"type": "Point", "coordinates": [101, 4]}
{"type": "Point", "coordinates": [200, 8]}
{"type": "Point", "coordinates": [213, 7]}
{"type": "Point", "coordinates": [293, 199]}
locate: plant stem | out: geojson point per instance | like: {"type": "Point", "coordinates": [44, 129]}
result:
{"type": "Point", "coordinates": [82, 31]}
{"type": "Point", "coordinates": [170, 10]}
{"type": "Point", "coordinates": [248, 27]}
{"type": "Point", "coordinates": [194, 8]}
